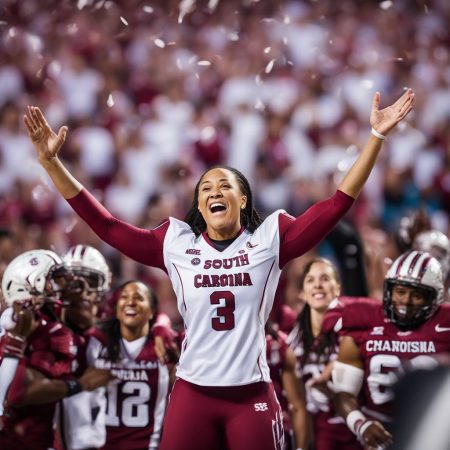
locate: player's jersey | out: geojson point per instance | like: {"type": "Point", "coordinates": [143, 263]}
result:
{"type": "Point", "coordinates": [80, 418]}
{"type": "Point", "coordinates": [49, 351]}
{"type": "Point", "coordinates": [386, 349]}
{"type": "Point", "coordinates": [327, 425]}
{"type": "Point", "coordinates": [136, 399]}
{"type": "Point", "coordinates": [218, 295]}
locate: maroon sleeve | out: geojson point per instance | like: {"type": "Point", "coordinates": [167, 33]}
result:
{"type": "Point", "coordinates": [144, 246]}
{"type": "Point", "coordinates": [299, 235]}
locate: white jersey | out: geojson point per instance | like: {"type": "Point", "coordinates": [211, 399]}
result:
{"type": "Point", "coordinates": [225, 298]}
{"type": "Point", "coordinates": [83, 420]}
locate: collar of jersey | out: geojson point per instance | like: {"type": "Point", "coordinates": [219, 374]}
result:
{"type": "Point", "coordinates": [208, 240]}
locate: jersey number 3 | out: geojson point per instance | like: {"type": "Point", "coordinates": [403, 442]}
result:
{"type": "Point", "coordinates": [225, 312]}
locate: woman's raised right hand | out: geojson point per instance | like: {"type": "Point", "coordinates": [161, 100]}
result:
{"type": "Point", "coordinates": [46, 142]}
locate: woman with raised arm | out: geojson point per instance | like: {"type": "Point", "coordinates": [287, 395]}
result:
{"type": "Point", "coordinates": [224, 264]}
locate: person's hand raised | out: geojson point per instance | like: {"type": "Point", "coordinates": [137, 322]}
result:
{"type": "Point", "coordinates": [384, 120]}
{"type": "Point", "coordinates": [46, 142]}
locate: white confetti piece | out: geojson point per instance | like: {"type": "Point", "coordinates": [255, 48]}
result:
{"type": "Point", "coordinates": [269, 66]}
{"type": "Point", "coordinates": [204, 62]}
{"type": "Point", "coordinates": [186, 6]}
{"type": "Point", "coordinates": [110, 101]}
{"type": "Point", "coordinates": [82, 3]}
{"type": "Point", "coordinates": [233, 36]}
{"type": "Point", "coordinates": [148, 9]}
{"type": "Point", "coordinates": [124, 21]}
{"type": "Point", "coordinates": [386, 4]}
{"type": "Point", "coordinates": [267, 50]}
{"type": "Point", "coordinates": [212, 5]}
{"type": "Point", "coordinates": [368, 84]}
{"type": "Point", "coordinates": [159, 43]}
{"type": "Point", "coordinates": [258, 80]}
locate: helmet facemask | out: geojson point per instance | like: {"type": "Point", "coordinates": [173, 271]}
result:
{"type": "Point", "coordinates": [408, 316]}
{"type": "Point", "coordinates": [415, 271]}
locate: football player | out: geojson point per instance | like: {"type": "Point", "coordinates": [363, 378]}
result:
{"type": "Point", "coordinates": [81, 418]}
{"type": "Point", "coordinates": [409, 328]}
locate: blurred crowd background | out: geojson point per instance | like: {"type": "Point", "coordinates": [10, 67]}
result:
{"type": "Point", "coordinates": [154, 92]}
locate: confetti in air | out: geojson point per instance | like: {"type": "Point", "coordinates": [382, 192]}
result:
{"type": "Point", "coordinates": [159, 43]}
{"type": "Point", "coordinates": [212, 5]}
{"type": "Point", "coordinates": [269, 66]}
{"type": "Point", "coordinates": [233, 36]}
{"type": "Point", "coordinates": [285, 40]}
{"type": "Point", "coordinates": [148, 9]}
{"type": "Point", "coordinates": [82, 3]}
{"type": "Point", "coordinates": [204, 62]}
{"type": "Point", "coordinates": [110, 101]}
{"type": "Point", "coordinates": [386, 4]}
{"type": "Point", "coordinates": [286, 20]}
{"type": "Point", "coordinates": [186, 6]}
{"type": "Point", "coordinates": [267, 50]}
{"type": "Point", "coordinates": [99, 5]}
{"type": "Point", "coordinates": [258, 80]}
{"type": "Point", "coordinates": [124, 21]}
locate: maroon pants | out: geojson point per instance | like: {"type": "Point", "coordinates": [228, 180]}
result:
{"type": "Point", "coordinates": [222, 418]}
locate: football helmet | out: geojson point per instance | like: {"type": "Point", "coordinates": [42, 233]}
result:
{"type": "Point", "coordinates": [89, 266]}
{"type": "Point", "coordinates": [437, 244]}
{"type": "Point", "coordinates": [418, 270]}
{"type": "Point", "coordinates": [31, 275]}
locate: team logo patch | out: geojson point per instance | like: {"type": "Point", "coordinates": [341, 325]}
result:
{"type": "Point", "coordinates": [195, 261]}
{"type": "Point", "coordinates": [261, 407]}
{"type": "Point", "coordinates": [250, 245]}
{"type": "Point", "coordinates": [377, 331]}
{"type": "Point", "coordinates": [193, 251]}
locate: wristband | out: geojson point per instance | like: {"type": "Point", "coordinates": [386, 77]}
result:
{"type": "Point", "coordinates": [354, 421]}
{"type": "Point", "coordinates": [378, 135]}
{"type": "Point", "coordinates": [363, 427]}
{"type": "Point", "coordinates": [73, 387]}
{"type": "Point", "coordinates": [14, 345]}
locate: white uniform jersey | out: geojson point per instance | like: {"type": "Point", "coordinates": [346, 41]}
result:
{"type": "Point", "coordinates": [225, 299]}
{"type": "Point", "coordinates": [82, 419]}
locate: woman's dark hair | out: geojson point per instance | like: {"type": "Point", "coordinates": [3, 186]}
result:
{"type": "Point", "coordinates": [325, 344]}
{"type": "Point", "coordinates": [249, 216]}
{"type": "Point", "coordinates": [111, 326]}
